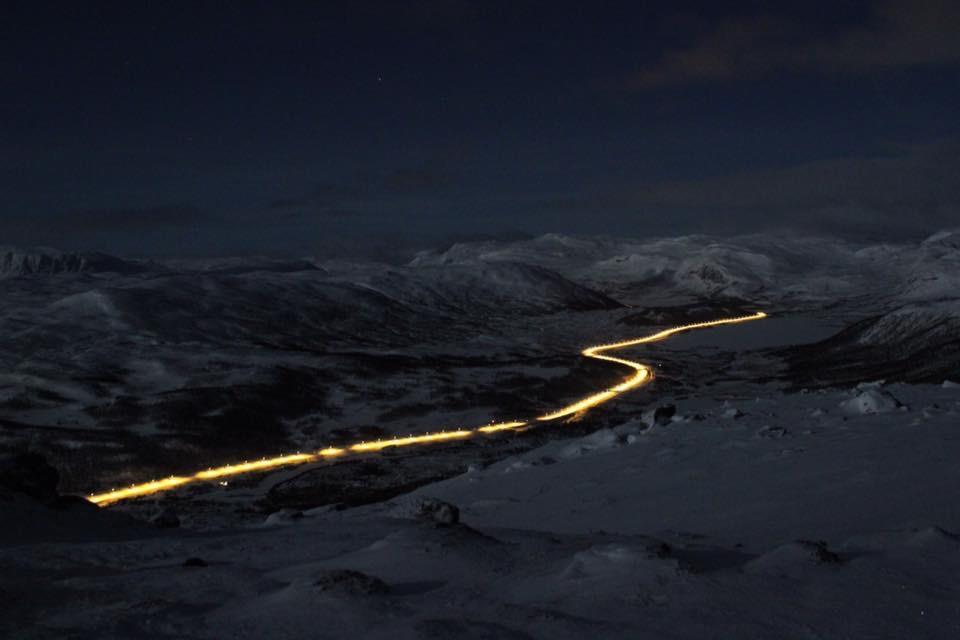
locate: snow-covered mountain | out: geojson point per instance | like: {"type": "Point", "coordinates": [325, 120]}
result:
{"type": "Point", "coordinates": [238, 265]}
{"type": "Point", "coordinates": [243, 354]}
{"type": "Point", "coordinates": [607, 525]}
{"type": "Point", "coordinates": [792, 269]}
{"type": "Point", "coordinates": [253, 353]}
{"type": "Point", "coordinates": [19, 262]}
{"type": "Point", "coordinates": [309, 308]}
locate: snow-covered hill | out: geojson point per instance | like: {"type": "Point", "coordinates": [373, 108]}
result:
{"type": "Point", "coordinates": [918, 341]}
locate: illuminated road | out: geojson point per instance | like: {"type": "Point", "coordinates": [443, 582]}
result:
{"type": "Point", "coordinates": [642, 374]}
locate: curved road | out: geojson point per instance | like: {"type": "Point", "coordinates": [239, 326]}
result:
{"type": "Point", "coordinates": [642, 374]}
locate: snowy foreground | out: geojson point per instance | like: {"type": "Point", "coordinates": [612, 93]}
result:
{"type": "Point", "coordinates": [812, 515]}
{"type": "Point", "coordinates": [767, 484]}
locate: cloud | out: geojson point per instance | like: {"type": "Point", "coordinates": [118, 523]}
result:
{"type": "Point", "coordinates": [409, 181]}
{"type": "Point", "coordinates": [120, 219]}
{"type": "Point", "coordinates": [913, 191]}
{"type": "Point", "coordinates": [446, 241]}
{"type": "Point", "coordinates": [293, 210]}
{"type": "Point", "coordinates": [897, 34]}
{"type": "Point", "coordinates": [355, 194]}
{"type": "Point", "coordinates": [286, 203]}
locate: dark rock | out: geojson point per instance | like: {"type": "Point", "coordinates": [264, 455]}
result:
{"type": "Point", "coordinates": [663, 415]}
{"type": "Point", "coordinates": [438, 511]}
{"type": "Point", "coordinates": [733, 413]}
{"type": "Point", "coordinates": [821, 552]}
{"type": "Point", "coordinates": [659, 417]}
{"type": "Point", "coordinates": [772, 432]}
{"type": "Point", "coordinates": [195, 562]}
{"type": "Point", "coordinates": [350, 582]}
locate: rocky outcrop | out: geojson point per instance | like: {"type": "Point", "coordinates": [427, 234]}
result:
{"type": "Point", "coordinates": [437, 511]}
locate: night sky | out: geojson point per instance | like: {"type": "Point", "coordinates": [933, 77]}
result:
{"type": "Point", "coordinates": [367, 128]}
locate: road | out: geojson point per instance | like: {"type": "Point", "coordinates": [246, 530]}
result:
{"type": "Point", "coordinates": [642, 374]}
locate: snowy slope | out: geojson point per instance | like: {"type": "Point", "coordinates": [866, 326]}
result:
{"type": "Point", "coordinates": [918, 341]}
{"type": "Point", "coordinates": [935, 273]}
{"type": "Point", "coordinates": [793, 520]}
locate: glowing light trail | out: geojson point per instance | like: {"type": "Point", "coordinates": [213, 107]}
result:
{"type": "Point", "coordinates": [135, 491]}
{"type": "Point", "coordinates": [405, 442]}
{"type": "Point", "coordinates": [503, 426]}
{"type": "Point", "coordinates": [256, 465]}
{"type": "Point", "coordinates": [642, 375]}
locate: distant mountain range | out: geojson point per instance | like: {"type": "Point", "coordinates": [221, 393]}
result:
{"type": "Point", "coordinates": [17, 262]}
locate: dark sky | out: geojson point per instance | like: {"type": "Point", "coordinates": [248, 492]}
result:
{"type": "Point", "coordinates": [366, 127]}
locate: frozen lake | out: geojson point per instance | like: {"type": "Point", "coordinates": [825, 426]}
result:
{"type": "Point", "coordinates": [764, 334]}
